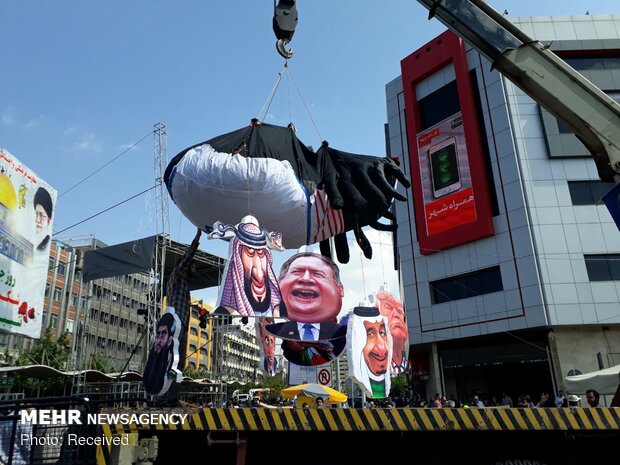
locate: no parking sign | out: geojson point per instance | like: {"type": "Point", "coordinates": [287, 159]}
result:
{"type": "Point", "coordinates": [324, 376]}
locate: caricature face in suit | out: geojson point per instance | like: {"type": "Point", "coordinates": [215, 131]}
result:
{"type": "Point", "coordinates": [311, 288]}
{"type": "Point", "coordinates": [268, 344]}
{"type": "Point", "coordinates": [392, 308]}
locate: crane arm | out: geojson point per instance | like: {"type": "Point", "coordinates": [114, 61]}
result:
{"type": "Point", "coordinates": [592, 115]}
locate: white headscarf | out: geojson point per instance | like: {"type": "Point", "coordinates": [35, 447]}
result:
{"type": "Point", "coordinates": [356, 341]}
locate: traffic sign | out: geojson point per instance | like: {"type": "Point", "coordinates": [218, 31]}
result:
{"type": "Point", "coordinates": [324, 376]}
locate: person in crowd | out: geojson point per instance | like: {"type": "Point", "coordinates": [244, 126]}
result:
{"type": "Point", "coordinates": [507, 400]}
{"type": "Point", "coordinates": [477, 402]}
{"type": "Point", "coordinates": [574, 401]}
{"type": "Point", "coordinates": [544, 400]}
{"type": "Point", "coordinates": [319, 402]}
{"type": "Point", "coordinates": [593, 398]}
{"type": "Point", "coordinates": [525, 401]}
{"type": "Point", "coordinates": [436, 403]}
{"type": "Point", "coordinates": [560, 399]}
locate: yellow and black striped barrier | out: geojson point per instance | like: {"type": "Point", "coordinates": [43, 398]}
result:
{"type": "Point", "coordinates": [401, 419]}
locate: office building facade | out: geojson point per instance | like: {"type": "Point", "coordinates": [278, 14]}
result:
{"type": "Point", "coordinates": [508, 263]}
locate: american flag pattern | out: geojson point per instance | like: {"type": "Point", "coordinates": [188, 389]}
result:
{"type": "Point", "coordinates": [326, 221]}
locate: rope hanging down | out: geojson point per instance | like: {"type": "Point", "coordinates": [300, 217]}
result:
{"type": "Point", "coordinates": [290, 78]}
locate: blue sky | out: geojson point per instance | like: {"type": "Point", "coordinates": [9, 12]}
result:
{"type": "Point", "coordinates": [84, 80]}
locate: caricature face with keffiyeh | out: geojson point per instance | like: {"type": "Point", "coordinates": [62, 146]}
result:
{"type": "Point", "coordinates": [250, 286]}
{"type": "Point", "coordinates": [255, 277]}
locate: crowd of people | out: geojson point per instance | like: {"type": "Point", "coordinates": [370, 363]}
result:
{"type": "Point", "coordinates": [561, 399]}
{"type": "Point", "coordinates": [592, 399]}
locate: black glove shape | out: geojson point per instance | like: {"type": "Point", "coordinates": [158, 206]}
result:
{"type": "Point", "coordinates": [366, 186]}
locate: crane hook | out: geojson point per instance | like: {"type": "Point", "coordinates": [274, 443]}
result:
{"type": "Point", "coordinates": [284, 23]}
{"type": "Point", "coordinates": [286, 54]}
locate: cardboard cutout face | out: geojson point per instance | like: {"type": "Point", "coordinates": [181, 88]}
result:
{"type": "Point", "coordinates": [312, 295]}
{"type": "Point", "coordinates": [267, 344]}
{"type": "Point", "coordinates": [392, 308]}
{"type": "Point", "coordinates": [162, 363]}
{"type": "Point", "coordinates": [376, 349]}
{"type": "Point", "coordinates": [369, 351]}
{"type": "Point", "coordinates": [311, 288]}
{"type": "Point", "coordinates": [250, 287]}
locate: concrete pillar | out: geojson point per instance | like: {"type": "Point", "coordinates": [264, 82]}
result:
{"type": "Point", "coordinates": [435, 382]}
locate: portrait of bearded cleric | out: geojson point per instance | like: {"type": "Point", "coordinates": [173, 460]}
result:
{"type": "Point", "coordinates": [158, 372]}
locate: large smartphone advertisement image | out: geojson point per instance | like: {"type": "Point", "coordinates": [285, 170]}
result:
{"type": "Point", "coordinates": [444, 167]}
{"type": "Point", "coordinates": [446, 179]}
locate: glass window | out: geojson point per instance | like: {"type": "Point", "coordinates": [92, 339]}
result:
{"type": "Point", "coordinates": [594, 63]}
{"type": "Point", "coordinates": [467, 285]}
{"type": "Point", "coordinates": [439, 105]}
{"type": "Point", "coordinates": [603, 267]}
{"type": "Point", "coordinates": [69, 326]}
{"type": "Point", "coordinates": [588, 192]}
{"type": "Point", "coordinates": [57, 293]}
{"type": "Point", "coordinates": [53, 321]}
{"type": "Point", "coordinates": [61, 268]}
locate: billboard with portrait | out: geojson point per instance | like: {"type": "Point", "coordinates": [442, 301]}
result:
{"type": "Point", "coordinates": [27, 209]}
{"type": "Point", "coordinates": [162, 364]}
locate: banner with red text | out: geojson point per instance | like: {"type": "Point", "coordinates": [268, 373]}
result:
{"type": "Point", "coordinates": [27, 209]}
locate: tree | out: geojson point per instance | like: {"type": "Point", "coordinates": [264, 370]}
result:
{"type": "Point", "coordinates": [194, 373]}
{"type": "Point", "coordinates": [399, 386]}
{"type": "Point", "coordinates": [98, 362]}
{"type": "Point", "coordinates": [276, 384]}
{"type": "Point", "coordinates": [45, 351]}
